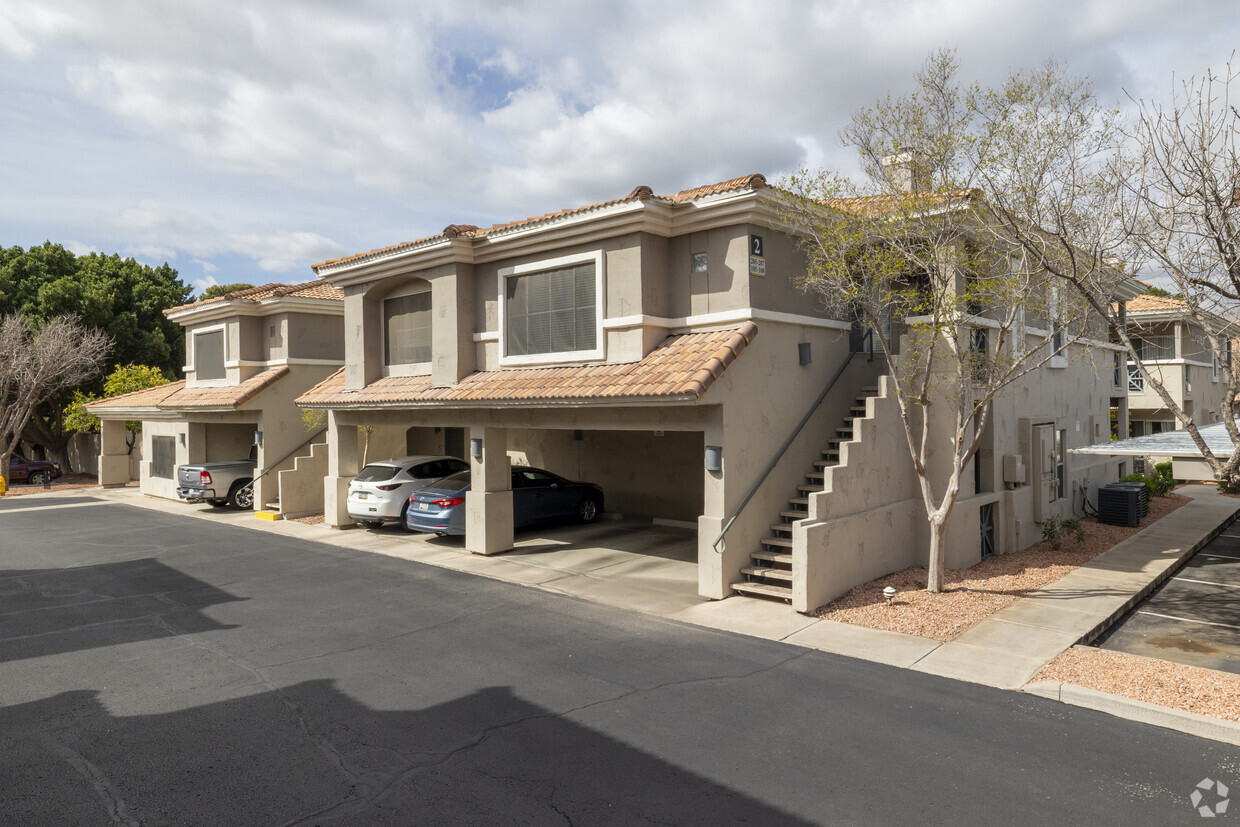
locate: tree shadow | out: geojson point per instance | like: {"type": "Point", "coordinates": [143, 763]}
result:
{"type": "Point", "coordinates": [310, 754]}
{"type": "Point", "coordinates": [53, 611]}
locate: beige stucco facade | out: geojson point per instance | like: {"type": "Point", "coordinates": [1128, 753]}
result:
{"type": "Point", "coordinates": [676, 265]}
{"type": "Point", "coordinates": [268, 345]}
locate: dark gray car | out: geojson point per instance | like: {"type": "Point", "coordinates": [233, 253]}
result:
{"type": "Point", "coordinates": [537, 496]}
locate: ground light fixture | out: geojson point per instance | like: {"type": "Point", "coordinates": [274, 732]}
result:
{"type": "Point", "coordinates": [889, 593]}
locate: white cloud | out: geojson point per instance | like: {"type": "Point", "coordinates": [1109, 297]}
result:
{"type": "Point", "coordinates": [287, 132]}
{"type": "Point", "coordinates": [159, 232]}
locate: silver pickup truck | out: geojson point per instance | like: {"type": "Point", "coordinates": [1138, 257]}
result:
{"type": "Point", "coordinates": [218, 483]}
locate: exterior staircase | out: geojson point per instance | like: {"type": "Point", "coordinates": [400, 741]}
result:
{"type": "Point", "coordinates": [770, 574]}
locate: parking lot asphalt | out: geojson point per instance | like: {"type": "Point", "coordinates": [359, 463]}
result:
{"type": "Point", "coordinates": [1194, 618]}
{"type": "Point", "coordinates": [162, 670]}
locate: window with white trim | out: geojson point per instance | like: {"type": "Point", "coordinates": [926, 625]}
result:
{"type": "Point", "coordinates": [407, 329]}
{"type": "Point", "coordinates": [209, 355]}
{"type": "Point", "coordinates": [551, 311]}
{"type": "Point", "coordinates": [1155, 348]}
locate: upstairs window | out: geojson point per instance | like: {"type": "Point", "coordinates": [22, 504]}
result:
{"type": "Point", "coordinates": [209, 355]}
{"type": "Point", "coordinates": [552, 312]}
{"type": "Point", "coordinates": [407, 329]}
{"type": "Point", "coordinates": [1155, 348]}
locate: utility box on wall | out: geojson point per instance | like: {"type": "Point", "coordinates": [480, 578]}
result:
{"type": "Point", "coordinates": [1014, 470]}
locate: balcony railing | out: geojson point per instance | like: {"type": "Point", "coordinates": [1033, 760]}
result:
{"type": "Point", "coordinates": [1136, 382]}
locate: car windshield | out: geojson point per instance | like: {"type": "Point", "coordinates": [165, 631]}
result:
{"type": "Point", "coordinates": [376, 473]}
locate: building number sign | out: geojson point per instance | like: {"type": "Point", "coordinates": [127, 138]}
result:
{"type": "Point", "coordinates": [757, 259]}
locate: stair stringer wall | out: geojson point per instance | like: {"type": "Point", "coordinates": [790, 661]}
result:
{"type": "Point", "coordinates": [301, 487]}
{"type": "Point", "coordinates": [869, 520]}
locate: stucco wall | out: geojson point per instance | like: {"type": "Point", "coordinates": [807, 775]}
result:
{"type": "Point", "coordinates": [642, 474]}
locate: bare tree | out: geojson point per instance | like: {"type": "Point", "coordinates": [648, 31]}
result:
{"type": "Point", "coordinates": [1162, 195]}
{"type": "Point", "coordinates": [915, 253]}
{"type": "Point", "coordinates": [35, 364]}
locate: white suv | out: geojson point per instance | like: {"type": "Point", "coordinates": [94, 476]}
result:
{"type": "Point", "coordinates": [380, 493]}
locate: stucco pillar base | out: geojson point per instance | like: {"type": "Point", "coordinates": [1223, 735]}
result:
{"type": "Point", "coordinates": [713, 579]}
{"type": "Point", "coordinates": [488, 521]}
{"type": "Point", "coordinates": [113, 470]}
{"type": "Point", "coordinates": [336, 501]}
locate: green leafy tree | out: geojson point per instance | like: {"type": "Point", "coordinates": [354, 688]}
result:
{"type": "Point", "coordinates": [216, 290]}
{"type": "Point", "coordinates": [120, 297]}
{"type": "Point", "coordinates": [123, 379]}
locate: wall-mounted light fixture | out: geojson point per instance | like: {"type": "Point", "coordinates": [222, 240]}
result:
{"type": "Point", "coordinates": [803, 354]}
{"type": "Point", "coordinates": [714, 457]}
{"type": "Point", "coordinates": [577, 435]}
{"type": "Point", "coordinates": [258, 438]}
{"type": "Point", "coordinates": [475, 447]}
{"type": "Point", "coordinates": [181, 440]}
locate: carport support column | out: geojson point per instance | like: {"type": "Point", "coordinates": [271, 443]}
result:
{"type": "Point", "coordinates": [113, 453]}
{"type": "Point", "coordinates": [718, 567]}
{"type": "Point", "coordinates": [342, 467]}
{"type": "Point", "coordinates": [488, 503]}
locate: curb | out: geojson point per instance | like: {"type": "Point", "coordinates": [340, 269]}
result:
{"type": "Point", "coordinates": [1190, 723]}
{"type": "Point", "coordinates": [1162, 577]}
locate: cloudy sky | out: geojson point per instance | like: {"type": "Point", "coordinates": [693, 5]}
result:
{"type": "Point", "coordinates": [244, 141]}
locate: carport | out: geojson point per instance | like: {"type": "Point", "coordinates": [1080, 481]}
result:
{"type": "Point", "coordinates": [1178, 446]}
{"type": "Point", "coordinates": [639, 430]}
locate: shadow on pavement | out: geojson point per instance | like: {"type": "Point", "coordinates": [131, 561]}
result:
{"type": "Point", "coordinates": [52, 611]}
{"type": "Point", "coordinates": [309, 754]}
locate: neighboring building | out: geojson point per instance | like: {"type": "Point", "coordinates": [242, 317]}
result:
{"type": "Point", "coordinates": [1175, 349]}
{"type": "Point", "coordinates": [661, 347]}
{"type": "Point", "coordinates": [250, 354]}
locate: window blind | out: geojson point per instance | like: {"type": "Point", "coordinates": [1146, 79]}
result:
{"type": "Point", "coordinates": [407, 329]}
{"type": "Point", "coordinates": [550, 312]}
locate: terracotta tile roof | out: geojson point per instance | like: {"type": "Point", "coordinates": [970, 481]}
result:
{"type": "Point", "coordinates": [642, 193]}
{"type": "Point", "coordinates": [317, 289]}
{"type": "Point", "coordinates": [174, 396]}
{"type": "Point", "coordinates": [1148, 303]}
{"type": "Point", "coordinates": [878, 204]}
{"type": "Point", "coordinates": [145, 398]}
{"type": "Point", "coordinates": [684, 366]}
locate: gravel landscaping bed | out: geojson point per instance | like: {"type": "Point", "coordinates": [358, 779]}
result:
{"type": "Point", "coordinates": [66, 481]}
{"type": "Point", "coordinates": [971, 595]}
{"type": "Point", "coordinates": [313, 519]}
{"type": "Point", "coordinates": [1161, 682]}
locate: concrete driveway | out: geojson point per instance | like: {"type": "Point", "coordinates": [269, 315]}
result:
{"type": "Point", "coordinates": [1194, 618]}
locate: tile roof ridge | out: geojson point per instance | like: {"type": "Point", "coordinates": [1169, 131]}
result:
{"type": "Point", "coordinates": [640, 193]}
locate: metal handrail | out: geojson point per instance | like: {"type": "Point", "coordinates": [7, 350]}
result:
{"type": "Point", "coordinates": [780, 455]}
{"type": "Point", "coordinates": [277, 463]}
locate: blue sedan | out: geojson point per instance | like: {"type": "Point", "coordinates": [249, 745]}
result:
{"type": "Point", "coordinates": [537, 496]}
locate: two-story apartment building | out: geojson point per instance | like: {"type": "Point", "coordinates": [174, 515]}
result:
{"type": "Point", "coordinates": [1175, 349]}
{"type": "Point", "coordinates": [249, 354]}
{"type": "Point", "coordinates": [662, 347]}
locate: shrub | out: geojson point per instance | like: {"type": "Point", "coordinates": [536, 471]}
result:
{"type": "Point", "coordinates": [1055, 528]}
{"type": "Point", "coordinates": [1151, 489]}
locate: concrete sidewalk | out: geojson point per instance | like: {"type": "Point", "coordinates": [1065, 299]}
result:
{"type": "Point", "coordinates": [1006, 650]}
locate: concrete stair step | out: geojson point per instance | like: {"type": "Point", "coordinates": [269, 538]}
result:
{"type": "Point", "coordinates": [773, 557]}
{"type": "Point", "coordinates": [837, 441]}
{"type": "Point", "coordinates": [786, 527]}
{"type": "Point", "coordinates": [857, 410]}
{"type": "Point", "coordinates": [800, 501]}
{"type": "Point", "coordinates": [827, 463]}
{"type": "Point", "coordinates": [809, 489]}
{"type": "Point", "coordinates": [816, 477]}
{"type": "Point", "coordinates": [869, 390]}
{"type": "Point", "coordinates": [794, 515]}
{"type": "Point", "coordinates": [763, 571]}
{"type": "Point", "coordinates": [778, 542]}
{"type": "Point", "coordinates": [764, 590]}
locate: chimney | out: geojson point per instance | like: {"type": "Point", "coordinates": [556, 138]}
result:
{"type": "Point", "coordinates": [908, 170]}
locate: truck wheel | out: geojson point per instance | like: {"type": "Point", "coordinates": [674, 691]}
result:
{"type": "Point", "coordinates": [242, 495]}
{"type": "Point", "coordinates": [37, 478]}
